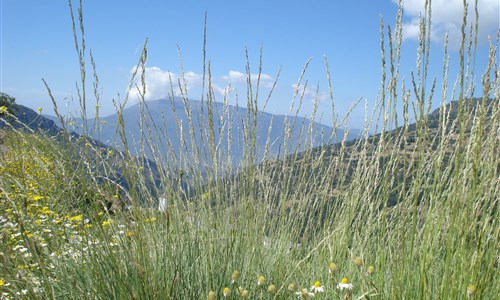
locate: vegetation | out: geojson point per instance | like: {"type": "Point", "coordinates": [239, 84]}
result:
{"type": "Point", "coordinates": [408, 214]}
{"type": "Point", "coordinates": [7, 104]}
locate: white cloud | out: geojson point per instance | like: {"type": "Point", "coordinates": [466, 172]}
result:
{"type": "Point", "coordinates": [310, 93]}
{"type": "Point", "coordinates": [266, 80]}
{"type": "Point", "coordinates": [222, 91]}
{"type": "Point", "coordinates": [235, 76]}
{"type": "Point", "coordinates": [447, 17]}
{"type": "Point", "coordinates": [159, 83]}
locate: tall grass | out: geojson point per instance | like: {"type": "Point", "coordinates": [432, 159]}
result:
{"type": "Point", "coordinates": [410, 213]}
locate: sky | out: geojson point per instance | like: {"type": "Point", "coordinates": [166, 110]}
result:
{"type": "Point", "coordinates": [37, 43]}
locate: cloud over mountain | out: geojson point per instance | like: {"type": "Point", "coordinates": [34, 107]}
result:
{"type": "Point", "coordinates": [447, 16]}
{"type": "Point", "coordinates": [162, 84]}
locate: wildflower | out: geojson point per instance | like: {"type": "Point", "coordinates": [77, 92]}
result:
{"type": "Point", "coordinates": [3, 109]}
{"type": "Point", "coordinates": [370, 270]}
{"type": "Point", "coordinates": [130, 233]}
{"type": "Point", "coordinates": [261, 280]}
{"type": "Point", "coordinates": [292, 287]}
{"type": "Point", "coordinates": [344, 284]}
{"type": "Point", "coordinates": [77, 218]}
{"type": "Point", "coordinates": [317, 288]}
{"type": "Point", "coordinates": [235, 277]}
{"type": "Point", "coordinates": [2, 282]}
{"type": "Point", "coordinates": [106, 223]}
{"type": "Point", "coordinates": [332, 268]}
{"type": "Point", "coordinates": [272, 289]}
{"type": "Point", "coordinates": [245, 294]}
{"type": "Point", "coordinates": [358, 261]}
{"type": "Point", "coordinates": [38, 197]}
{"type": "Point", "coordinates": [304, 293]}
{"type": "Point", "coordinates": [471, 289]}
{"type": "Point", "coordinates": [239, 290]}
{"type": "Point", "coordinates": [23, 292]}
{"type": "Point", "coordinates": [212, 295]}
{"type": "Point", "coordinates": [226, 292]}
{"type": "Point", "coordinates": [40, 109]}
{"type": "Point", "coordinates": [162, 205]}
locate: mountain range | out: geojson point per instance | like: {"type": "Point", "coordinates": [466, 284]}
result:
{"type": "Point", "coordinates": [172, 125]}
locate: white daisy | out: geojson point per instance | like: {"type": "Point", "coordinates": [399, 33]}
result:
{"type": "Point", "coordinates": [317, 288]}
{"type": "Point", "coordinates": [344, 284]}
{"type": "Point", "coordinates": [304, 294]}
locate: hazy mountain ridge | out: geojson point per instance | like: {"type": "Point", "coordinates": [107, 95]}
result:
{"type": "Point", "coordinates": [162, 119]}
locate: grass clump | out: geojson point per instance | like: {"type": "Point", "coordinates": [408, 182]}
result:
{"type": "Point", "coordinates": [408, 213]}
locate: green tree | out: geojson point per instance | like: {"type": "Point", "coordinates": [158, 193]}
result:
{"type": "Point", "coordinates": [7, 102]}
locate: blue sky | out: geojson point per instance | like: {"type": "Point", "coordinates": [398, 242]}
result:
{"type": "Point", "coordinates": [37, 42]}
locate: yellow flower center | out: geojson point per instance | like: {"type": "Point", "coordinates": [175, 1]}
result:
{"type": "Point", "coordinates": [317, 284]}
{"type": "Point", "coordinates": [471, 289]}
{"type": "Point", "coordinates": [261, 280]}
{"type": "Point", "coordinates": [345, 280]}
{"type": "Point", "coordinates": [226, 291]}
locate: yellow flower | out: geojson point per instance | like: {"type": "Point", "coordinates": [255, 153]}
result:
{"type": "Point", "coordinates": [130, 233]}
{"type": "Point", "coordinates": [151, 220]}
{"type": "Point", "coordinates": [106, 223]}
{"type": "Point", "coordinates": [77, 218]}
{"type": "Point", "coordinates": [226, 292]}
{"type": "Point", "coordinates": [40, 109]}
{"type": "Point", "coordinates": [235, 276]}
{"type": "Point", "coordinates": [212, 295]}
{"type": "Point", "coordinates": [261, 280]}
{"type": "Point", "coordinates": [38, 197]}
{"type": "Point", "coordinates": [272, 289]}
{"type": "Point", "coordinates": [471, 289]}
{"type": "Point", "coordinates": [2, 282]}
{"type": "Point", "coordinates": [332, 268]}
{"type": "Point", "coordinates": [370, 270]}
{"type": "Point", "coordinates": [3, 109]}
{"type": "Point", "coordinates": [292, 287]}
{"type": "Point", "coordinates": [358, 261]}
{"type": "Point", "coordinates": [245, 294]}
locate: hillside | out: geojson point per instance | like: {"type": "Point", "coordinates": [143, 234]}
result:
{"type": "Point", "coordinates": [78, 149]}
{"type": "Point", "coordinates": [392, 159]}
